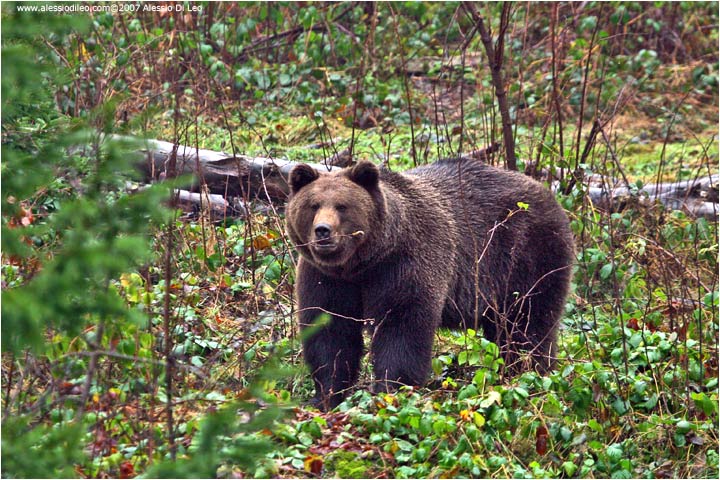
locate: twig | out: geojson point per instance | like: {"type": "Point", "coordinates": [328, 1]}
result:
{"type": "Point", "coordinates": [120, 356]}
{"type": "Point", "coordinates": [167, 267]}
{"type": "Point", "coordinates": [615, 160]}
{"type": "Point", "coordinates": [334, 314]}
{"type": "Point", "coordinates": [556, 91]}
{"type": "Point", "coordinates": [586, 80]}
{"type": "Point", "coordinates": [406, 86]}
{"type": "Point", "coordinates": [666, 140]}
{"type": "Point", "coordinates": [495, 60]}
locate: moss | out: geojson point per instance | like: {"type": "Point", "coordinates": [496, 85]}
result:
{"type": "Point", "coordinates": [344, 464]}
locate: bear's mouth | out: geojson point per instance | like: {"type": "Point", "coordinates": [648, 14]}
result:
{"type": "Point", "coordinates": [324, 245]}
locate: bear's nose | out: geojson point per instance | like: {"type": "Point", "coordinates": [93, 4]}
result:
{"type": "Point", "coordinates": [322, 231]}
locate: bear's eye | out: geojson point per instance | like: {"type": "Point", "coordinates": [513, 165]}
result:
{"type": "Point", "coordinates": [341, 208]}
{"type": "Point", "coordinates": [315, 206]}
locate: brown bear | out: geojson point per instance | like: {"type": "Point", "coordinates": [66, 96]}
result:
{"type": "Point", "coordinates": [455, 244]}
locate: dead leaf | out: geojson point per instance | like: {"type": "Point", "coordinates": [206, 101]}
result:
{"type": "Point", "coordinates": [665, 470]}
{"type": "Point", "coordinates": [69, 388]}
{"type": "Point", "coordinates": [451, 473]}
{"type": "Point", "coordinates": [314, 464]}
{"type": "Point", "coordinates": [541, 439]}
{"type": "Point", "coordinates": [260, 242]}
{"type": "Point", "coordinates": [127, 470]}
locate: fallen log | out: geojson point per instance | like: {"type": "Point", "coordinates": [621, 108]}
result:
{"type": "Point", "coordinates": [265, 179]}
{"type": "Point", "coordinates": [224, 173]}
{"type": "Point", "coordinates": [232, 207]}
{"type": "Point", "coordinates": [697, 197]}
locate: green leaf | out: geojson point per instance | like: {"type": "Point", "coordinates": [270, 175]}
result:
{"type": "Point", "coordinates": [606, 270]}
{"type": "Point", "coordinates": [468, 391]}
{"type": "Point", "coordinates": [61, 446]}
{"type": "Point", "coordinates": [569, 468]}
{"type": "Point", "coordinates": [707, 405]}
{"type": "Point", "coordinates": [478, 419]}
{"type": "Point", "coordinates": [462, 357]}
{"type": "Point", "coordinates": [594, 425]}
{"type": "Point", "coordinates": [614, 452]}
{"type": "Point", "coordinates": [683, 426]}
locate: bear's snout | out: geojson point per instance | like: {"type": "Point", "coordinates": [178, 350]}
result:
{"type": "Point", "coordinates": [325, 228]}
{"type": "Point", "coordinates": [323, 231]}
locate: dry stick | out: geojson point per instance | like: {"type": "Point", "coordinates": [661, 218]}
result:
{"type": "Point", "coordinates": [617, 298]}
{"type": "Point", "coordinates": [667, 139]}
{"type": "Point", "coordinates": [24, 373]}
{"type": "Point", "coordinates": [245, 204]}
{"type": "Point", "coordinates": [655, 368]}
{"type": "Point", "coordinates": [406, 84]}
{"type": "Point", "coordinates": [678, 262]}
{"type": "Point", "coordinates": [597, 127]}
{"type": "Point", "coordinates": [541, 143]}
{"type": "Point", "coordinates": [700, 295]}
{"type": "Point", "coordinates": [167, 338]}
{"type": "Point", "coordinates": [463, 50]}
{"type": "Point", "coordinates": [436, 117]}
{"type": "Point", "coordinates": [92, 367]}
{"type": "Point", "coordinates": [462, 102]}
{"type": "Point", "coordinates": [358, 84]}
{"type": "Point", "coordinates": [488, 129]}
{"type": "Point", "coordinates": [584, 240]}
{"type": "Point", "coordinates": [586, 77]}
{"type": "Point", "coordinates": [613, 156]}
{"type": "Point", "coordinates": [208, 21]}
{"type": "Point", "coordinates": [335, 314]}
{"type": "Point", "coordinates": [521, 75]}
{"type": "Point", "coordinates": [706, 165]}
{"type": "Point", "coordinates": [556, 91]}
{"type": "Point", "coordinates": [495, 61]}
{"type": "Point", "coordinates": [575, 177]}
{"type": "Point", "coordinates": [170, 232]}
{"type": "Point", "coordinates": [370, 41]}
{"type": "Point", "coordinates": [133, 358]}
{"type": "Point", "coordinates": [204, 193]}
{"type": "Point", "coordinates": [8, 387]}
{"type": "Point", "coordinates": [95, 345]}
{"type": "Point", "coordinates": [248, 232]}
{"type": "Point", "coordinates": [447, 133]}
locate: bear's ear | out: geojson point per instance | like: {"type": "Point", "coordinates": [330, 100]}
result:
{"type": "Point", "coordinates": [365, 174]}
{"type": "Point", "coordinates": [302, 175]}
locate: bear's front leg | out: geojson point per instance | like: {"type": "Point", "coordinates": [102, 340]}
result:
{"type": "Point", "coordinates": [401, 353]}
{"type": "Point", "coordinates": [405, 318]}
{"type": "Point", "coordinates": [333, 352]}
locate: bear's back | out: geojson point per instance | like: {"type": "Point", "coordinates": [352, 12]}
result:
{"type": "Point", "coordinates": [480, 186]}
{"type": "Point", "coordinates": [511, 233]}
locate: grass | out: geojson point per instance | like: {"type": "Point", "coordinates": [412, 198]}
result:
{"type": "Point", "coordinates": [306, 135]}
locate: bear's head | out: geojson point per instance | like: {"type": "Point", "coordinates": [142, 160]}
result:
{"type": "Point", "coordinates": [331, 217]}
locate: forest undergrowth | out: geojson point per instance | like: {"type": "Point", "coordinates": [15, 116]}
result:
{"type": "Point", "coordinates": [144, 337]}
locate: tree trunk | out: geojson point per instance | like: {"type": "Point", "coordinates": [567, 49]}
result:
{"type": "Point", "coordinates": [495, 53]}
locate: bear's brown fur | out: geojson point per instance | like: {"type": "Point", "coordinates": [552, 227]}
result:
{"type": "Point", "coordinates": [444, 245]}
